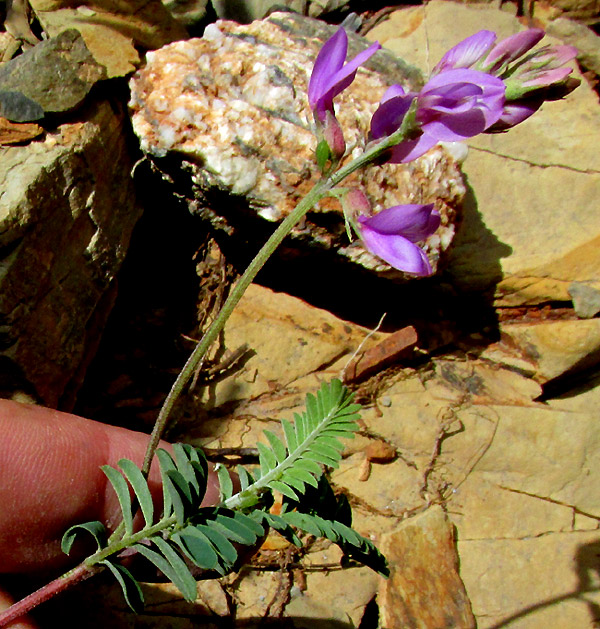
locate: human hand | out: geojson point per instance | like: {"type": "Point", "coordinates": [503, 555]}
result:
{"type": "Point", "coordinates": [50, 479]}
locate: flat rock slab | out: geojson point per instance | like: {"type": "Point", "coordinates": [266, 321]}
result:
{"type": "Point", "coordinates": [407, 599]}
{"type": "Point", "coordinates": [54, 76]}
{"type": "Point", "coordinates": [112, 29]}
{"type": "Point", "coordinates": [531, 224]}
{"type": "Point", "coordinates": [67, 209]}
{"type": "Point", "coordinates": [232, 106]}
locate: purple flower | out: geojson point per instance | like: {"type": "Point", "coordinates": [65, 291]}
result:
{"type": "Point", "coordinates": [459, 104]}
{"type": "Point", "coordinates": [391, 235]}
{"type": "Point", "coordinates": [330, 76]}
{"type": "Point", "coordinates": [454, 105]}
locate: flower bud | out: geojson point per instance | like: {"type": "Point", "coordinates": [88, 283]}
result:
{"type": "Point", "coordinates": [334, 136]}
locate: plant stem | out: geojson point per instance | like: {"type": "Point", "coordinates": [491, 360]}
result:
{"type": "Point", "coordinates": [67, 580]}
{"type": "Point", "coordinates": [320, 190]}
{"type": "Point", "coordinates": [210, 336]}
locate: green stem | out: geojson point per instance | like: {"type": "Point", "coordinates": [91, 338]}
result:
{"type": "Point", "coordinates": [218, 324]}
{"type": "Point", "coordinates": [320, 190]}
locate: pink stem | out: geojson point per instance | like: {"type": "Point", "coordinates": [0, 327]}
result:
{"type": "Point", "coordinates": [71, 578]}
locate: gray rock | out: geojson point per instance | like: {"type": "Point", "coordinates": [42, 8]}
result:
{"type": "Point", "coordinates": [246, 11]}
{"type": "Point", "coordinates": [586, 300]}
{"type": "Point", "coordinates": [67, 209]}
{"type": "Point", "coordinates": [16, 107]}
{"type": "Point", "coordinates": [233, 107]}
{"type": "Point", "coordinates": [57, 75]}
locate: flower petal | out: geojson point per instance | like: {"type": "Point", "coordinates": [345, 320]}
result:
{"type": "Point", "coordinates": [397, 252]}
{"type": "Point", "coordinates": [413, 221]}
{"type": "Point", "coordinates": [412, 149]}
{"type": "Point", "coordinates": [467, 52]}
{"type": "Point", "coordinates": [512, 48]}
{"type": "Point", "coordinates": [341, 79]}
{"type": "Point", "coordinates": [389, 115]}
{"type": "Point", "coordinates": [514, 113]}
{"type": "Point", "coordinates": [329, 60]}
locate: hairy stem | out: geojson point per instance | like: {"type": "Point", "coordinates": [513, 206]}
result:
{"type": "Point", "coordinates": [67, 580]}
{"type": "Point", "coordinates": [320, 190]}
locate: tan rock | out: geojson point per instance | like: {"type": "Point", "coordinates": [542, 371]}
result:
{"type": "Point", "coordinates": [551, 348]}
{"type": "Point", "coordinates": [483, 383]}
{"type": "Point", "coordinates": [547, 453]}
{"type": "Point", "coordinates": [147, 22]}
{"type": "Point", "coordinates": [546, 581]}
{"type": "Point", "coordinates": [415, 596]}
{"type": "Point", "coordinates": [481, 509]}
{"type": "Point", "coordinates": [67, 211]}
{"type": "Point", "coordinates": [340, 595]}
{"type": "Point", "coordinates": [531, 224]}
{"type": "Point", "coordinates": [289, 339]}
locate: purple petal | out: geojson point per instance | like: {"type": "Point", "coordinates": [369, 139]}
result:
{"type": "Point", "coordinates": [467, 52]}
{"type": "Point", "coordinates": [455, 128]}
{"type": "Point", "coordinates": [459, 104]}
{"type": "Point", "coordinates": [555, 55]}
{"type": "Point", "coordinates": [542, 78]}
{"type": "Point", "coordinates": [392, 92]}
{"type": "Point", "coordinates": [513, 47]}
{"type": "Point", "coordinates": [414, 222]}
{"type": "Point", "coordinates": [397, 252]}
{"type": "Point", "coordinates": [389, 115]}
{"type": "Point", "coordinates": [412, 149]}
{"type": "Point", "coordinates": [329, 60]}
{"type": "Point", "coordinates": [514, 113]}
{"type": "Point", "coordinates": [339, 81]}
{"type": "Point", "coordinates": [450, 77]}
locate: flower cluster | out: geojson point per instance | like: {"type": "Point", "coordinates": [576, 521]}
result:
{"type": "Point", "coordinates": [479, 86]}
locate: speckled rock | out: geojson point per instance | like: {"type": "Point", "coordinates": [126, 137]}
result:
{"type": "Point", "coordinates": [233, 106]}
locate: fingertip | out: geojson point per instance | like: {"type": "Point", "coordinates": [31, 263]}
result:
{"type": "Point", "coordinates": [24, 622]}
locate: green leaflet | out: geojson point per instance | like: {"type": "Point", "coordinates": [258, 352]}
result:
{"type": "Point", "coordinates": [132, 591]}
{"type": "Point", "coordinates": [122, 490]}
{"type": "Point", "coordinates": [140, 487]}
{"type": "Point", "coordinates": [172, 566]}
{"type": "Point", "coordinates": [97, 529]}
{"type": "Point", "coordinates": [225, 482]}
{"type": "Point", "coordinates": [197, 547]}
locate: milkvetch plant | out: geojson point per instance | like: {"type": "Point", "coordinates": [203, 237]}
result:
{"type": "Point", "coordinates": [477, 87]}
